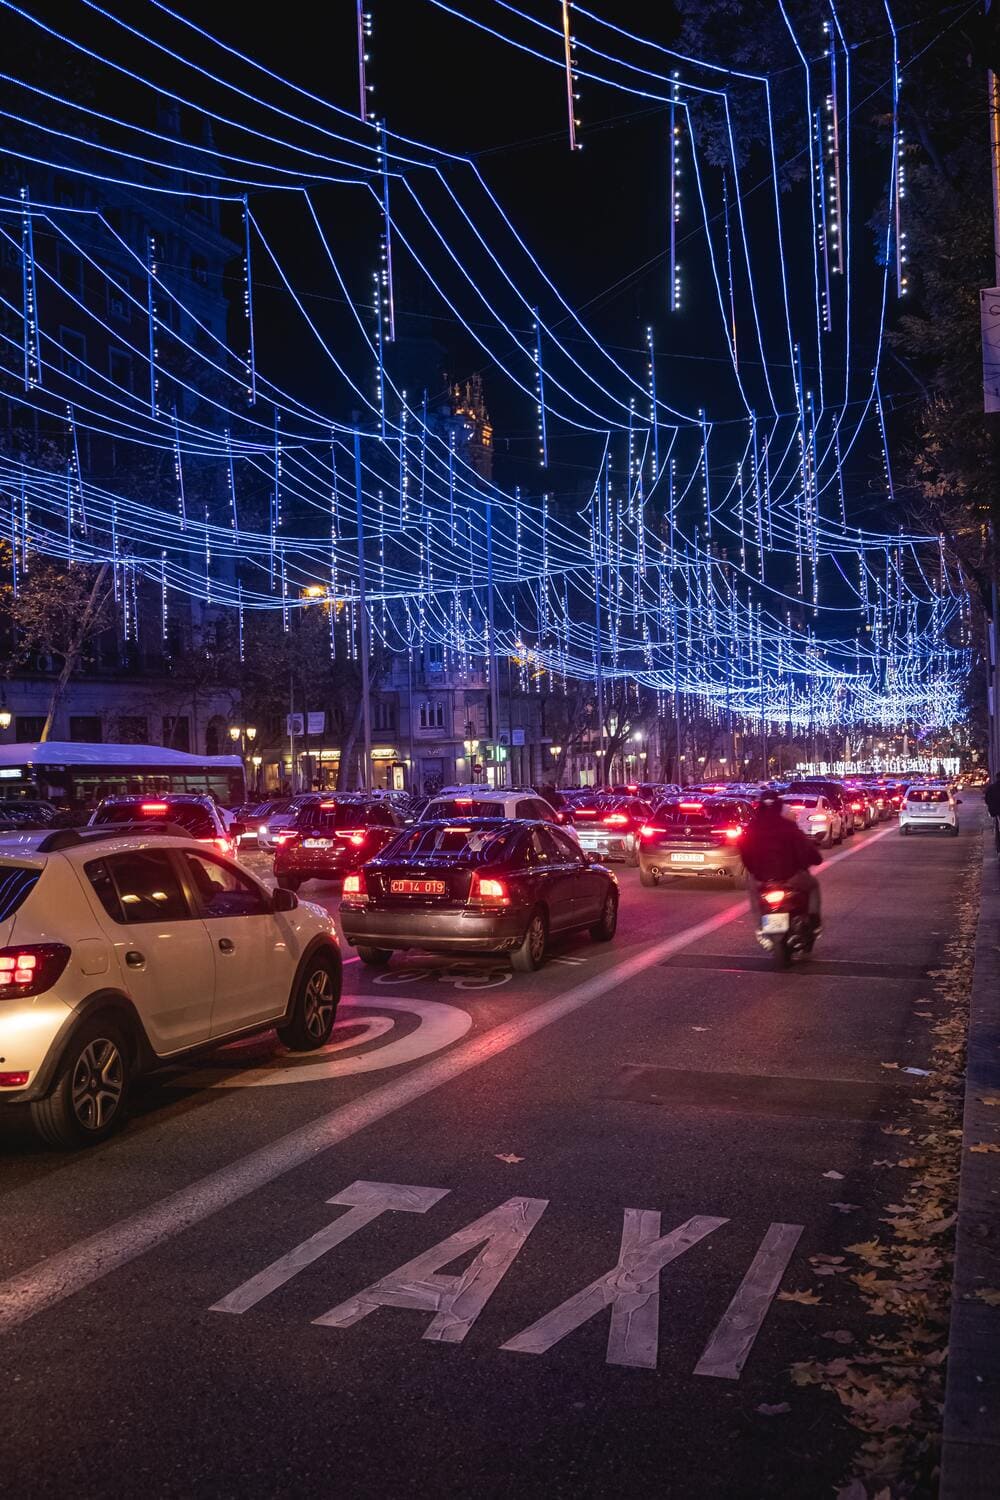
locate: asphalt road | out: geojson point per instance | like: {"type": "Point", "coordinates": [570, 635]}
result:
{"type": "Point", "coordinates": [509, 1233]}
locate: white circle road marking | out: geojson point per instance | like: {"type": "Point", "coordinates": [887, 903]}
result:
{"type": "Point", "coordinates": [440, 1025]}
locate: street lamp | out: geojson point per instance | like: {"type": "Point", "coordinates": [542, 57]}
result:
{"type": "Point", "coordinates": [256, 761]}
{"type": "Point", "coordinates": [5, 713]}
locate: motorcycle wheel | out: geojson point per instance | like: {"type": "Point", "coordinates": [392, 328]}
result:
{"type": "Point", "coordinates": [781, 958]}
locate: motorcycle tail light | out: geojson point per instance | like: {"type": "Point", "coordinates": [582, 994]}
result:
{"type": "Point", "coordinates": [31, 969]}
{"type": "Point", "coordinates": [774, 898]}
{"type": "Point", "coordinates": [356, 888]}
{"type": "Point", "coordinates": [487, 890]}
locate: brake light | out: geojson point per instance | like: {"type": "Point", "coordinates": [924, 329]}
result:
{"type": "Point", "coordinates": [283, 838]}
{"type": "Point", "coordinates": [225, 845]}
{"type": "Point", "coordinates": [487, 890]}
{"type": "Point", "coordinates": [796, 806]}
{"type": "Point", "coordinates": [774, 898]}
{"type": "Point", "coordinates": [31, 969]}
{"type": "Point", "coordinates": [355, 888]}
{"type": "Point", "coordinates": [856, 807]}
{"type": "Point", "coordinates": [732, 833]}
{"type": "Point", "coordinates": [13, 1080]}
{"type": "Point", "coordinates": [327, 805]}
{"type": "Point", "coordinates": [463, 801]}
{"type": "Point", "coordinates": [153, 809]}
{"type": "Point", "coordinates": [691, 806]}
{"type": "Point", "coordinates": [355, 836]}
{"type": "Point", "coordinates": [633, 790]}
{"type": "Point", "coordinates": [586, 812]}
{"type": "Point", "coordinates": [616, 820]}
{"type": "Point", "coordinates": [649, 830]}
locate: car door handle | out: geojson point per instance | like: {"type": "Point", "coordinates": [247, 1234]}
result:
{"type": "Point", "coordinates": [135, 959]}
{"type": "Point", "coordinates": [226, 945]}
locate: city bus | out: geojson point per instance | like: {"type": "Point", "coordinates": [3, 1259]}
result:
{"type": "Point", "coordinates": [76, 776]}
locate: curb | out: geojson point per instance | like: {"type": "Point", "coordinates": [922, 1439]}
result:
{"type": "Point", "coordinates": [970, 1457]}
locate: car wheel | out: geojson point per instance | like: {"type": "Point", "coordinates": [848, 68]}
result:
{"type": "Point", "coordinates": [314, 1008]}
{"type": "Point", "coordinates": [288, 882]}
{"type": "Point", "coordinates": [375, 958]}
{"type": "Point", "coordinates": [604, 930]}
{"type": "Point", "coordinates": [829, 841]}
{"type": "Point", "coordinates": [905, 830]}
{"type": "Point", "coordinates": [530, 955]}
{"type": "Point", "coordinates": [90, 1095]}
{"type": "Point", "coordinates": [954, 832]}
{"type": "Point", "coordinates": [648, 877]}
{"type": "Point", "coordinates": [632, 855]}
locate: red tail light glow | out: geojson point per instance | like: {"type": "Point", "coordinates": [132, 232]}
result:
{"type": "Point", "coordinates": [856, 807]}
{"type": "Point", "coordinates": [31, 969]}
{"type": "Point", "coordinates": [355, 888]}
{"type": "Point", "coordinates": [463, 801]}
{"type": "Point", "coordinates": [733, 833]}
{"type": "Point", "coordinates": [154, 809]}
{"type": "Point", "coordinates": [355, 836]}
{"type": "Point", "coordinates": [283, 838]}
{"type": "Point", "coordinates": [225, 846]}
{"type": "Point", "coordinates": [326, 806]}
{"type": "Point", "coordinates": [691, 806]}
{"type": "Point", "coordinates": [487, 890]}
{"type": "Point", "coordinates": [616, 820]}
{"type": "Point", "coordinates": [650, 830]}
{"type": "Point", "coordinates": [13, 1080]}
{"type": "Point", "coordinates": [774, 898]}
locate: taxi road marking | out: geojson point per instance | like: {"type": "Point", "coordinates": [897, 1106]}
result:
{"type": "Point", "coordinates": [68, 1271]}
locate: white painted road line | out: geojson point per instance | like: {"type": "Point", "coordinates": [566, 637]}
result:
{"type": "Point", "coordinates": [726, 1351]}
{"type": "Point", "coordinates": [69, 1271]}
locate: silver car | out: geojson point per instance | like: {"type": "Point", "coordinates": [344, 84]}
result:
{"type": "Point", "coordinates": [281, 816]}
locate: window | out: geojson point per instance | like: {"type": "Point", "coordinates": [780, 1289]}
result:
{"type": "Point", "coordinates": [385, 714]}
{"type": "Point", "coordinates": [223, 891]}
{"type": "Point", "coordinates": [431, 714]}
{"type": "Point", "coordinates": [462, 807]}
{"type": "Point", "coordinates": [119, 305]}
{"type": "Point", "coordinates": [176, 732]}
{"type": "Point", "coordinates": [195, 817]}
{"type": "Point", "coordinates": [199, 269]}
{"type": "Point", "coordinates": [28, 727]}
{"type": "Point", "coordinates": [926, 794]}
{"type": "Point", "coordinates": [120, 368]}
{"type": "Point", "coordinates": [70, 271]}
{"type": "Point", "coordinates": [132, 730]}
{"type": "Point", "coordinates": [85, 728]}
{"type": "Point", "coordinates": [74, 352]}
{"type": "Point", "coordinates": [139, 886]}
{"type": "Point", "coordinates": [435, 657]}
{"type": "Point", "coordinates": [568, 851]}
{"type": "Point", "coordinates": [16, 882]}
{"type": "Point", "coordinates": [543, 851]}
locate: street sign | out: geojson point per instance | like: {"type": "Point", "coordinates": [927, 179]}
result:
{"type": "Point", "coordinates": [294, 724]}
{"type": "Point", "coordinates": [316, 723]}
{"type": "Point", "coordinates": [517, 736]}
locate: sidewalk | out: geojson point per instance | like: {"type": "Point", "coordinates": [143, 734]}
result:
{"type": "Point", "coordinates": [970, 1465]}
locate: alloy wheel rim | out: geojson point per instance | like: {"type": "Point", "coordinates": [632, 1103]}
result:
{"type": "Point", "coordinates": [537, 938]}
{"type": "Point", "coordinates": [319, 1003]}
{"type": "Point", "coordinates": [98, 1084]}
{"type": "Point", "coordinates": [610, 913]}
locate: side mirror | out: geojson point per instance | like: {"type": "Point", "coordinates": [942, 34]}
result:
{"type": "Point", "coordinates": [282, 900]}
{"type": "Point", "coordinates": [592, 859]}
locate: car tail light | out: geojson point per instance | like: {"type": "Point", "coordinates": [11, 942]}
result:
{"type": "Point", "coordinates": [487, 890]}
{"type": "Point", "coordinates": [13, 1080]}
{"type": "Point", "coordinates": [774, 898]}
{"type": "Point", "coordinates": [154, 809]}
{"type": "Point", "coordinates": [463, 801]}
{"type": "Point", "coordinates": [225, 846]}
{"type": "Point", "coordinates": [733, 833]}
{"type": "Point", "coordinates": [31, 969]}
{"type": "Point", "coordinates": [691, 806]}
{"type": "Point", "coordinates": [355, 889]}
{"type": "Point", "coordinates": [856, 807]}
{"type": "Point", "coordinates": [633, 790]}
{"type": "Point", "coordinates": [284, 838]}
{"type": "Point", "coordinates": [355, 836]}
{"type": "Point", "coordinates": [650, 830]}
{"type": "Point", "coordinates": [796, 806]}
{"type": "Point", "coordinates": [326, 806]}
{"type": "Point", "coordinates": [615, 820]}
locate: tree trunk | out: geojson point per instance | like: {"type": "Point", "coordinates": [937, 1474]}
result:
{"type": "Point", "coordinates": [347, 747]}
{"type": "Point", "coordinates": [72, 658]}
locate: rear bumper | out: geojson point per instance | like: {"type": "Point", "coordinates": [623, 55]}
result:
{"type": "Point", "coordinates": [907, 821]}
{"type": "Point", "coordinates": [608, 846]}
{"type": "Point", "coordinates": [717, 862]}
{"type": "Point", "coordinates": [435, 931]}
{"type": "Point", "coordinates": [27, 1038]}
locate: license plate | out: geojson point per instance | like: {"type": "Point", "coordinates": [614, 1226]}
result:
{"type": "Point", "coordinates": [317, 843]}
{"type": "Point", "coordinates": [687, 858]}
{"type": "Point", "coordinates": [775, 921]}
{"type": "Point", "coordinates": [417, 887]}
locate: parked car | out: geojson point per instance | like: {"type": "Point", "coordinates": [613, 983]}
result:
{"type": "Point", "coordinates": [931, 808]}
{"type": "Point", "coordinates": [198, 816]}
{"type": "Point", "coordinates": [693, 836]}
{"type": "Point", "coordinates": [477, 885]}
{"type": "Point", "coordinates": [120, 951]}
{"type": "Point", "coordinates": [333, 836]}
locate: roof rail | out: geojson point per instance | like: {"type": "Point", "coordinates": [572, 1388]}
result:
{"type": "Point", "coordinates": [71, 838]}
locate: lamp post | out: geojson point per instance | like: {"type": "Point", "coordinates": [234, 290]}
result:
{"type": "Point", "coordinates": [244, 736]}
{"type": "Point", "coordinates": [5, 713]}
{"type": "Point", "coordinates": [256, 761]}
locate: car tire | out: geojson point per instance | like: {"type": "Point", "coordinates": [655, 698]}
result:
{"type": "Point", "coordinates": [648, 878]}
{"type": "Point", "coordinates": [314, 1009]}
{"type": "Point", "coordinates": [374, 958]}
{"type": "Point", "coordinates": [89, 1099]}
{"type": "Point", "coordinates": [632, 856]}
{"type": "Point", "coordinates": [530, 953]}
{"type": "Point", "coordinates": [905, 830]}
{"type": "Point", "coordinates": [604, 930]}
{"type": "Point", "coordinates": [288, 882]}
{"type": "Point", "coordinates": [954, 832]}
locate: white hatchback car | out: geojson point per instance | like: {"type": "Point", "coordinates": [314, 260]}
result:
{"type": "Point", "coordinates": [122, 950]}
{"type": "Point", "coordinates": [929, 807]}
{"type": "Point", "coordinates": [495, 802]}
{"type": "Point", "coordinates": [816, 816]}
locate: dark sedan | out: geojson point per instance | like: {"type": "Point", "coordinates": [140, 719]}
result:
{"type": "Point", "coordinates": [332, 836]}
{"type": "Point", "coordinates": [694, 835]}
{"type": "Point", "coordinates": [475, 887]}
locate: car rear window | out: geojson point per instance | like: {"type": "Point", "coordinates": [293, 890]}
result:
{"type": "Point", "coordinates": [800, 800]}
{"type": "Point", "coordinates": [926, 794]}
{"type": "Point", "coordinates": [696, 810]}
{"type": "Point", "coordinates": [192, 817]}
{"type": "Point", "coordinates": [16, 884]}
{"type": "Point", "coordinates": [341, 815]}
{"type": "Point", "coordinates": [462, 807]}
{"type": "Point", "coordinates": [451, 843]}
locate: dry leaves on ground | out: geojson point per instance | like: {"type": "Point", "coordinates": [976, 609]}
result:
{"type": "Point", "coordinates": [807, 1298]}
{"type": "Point", "coordinates": [508, 1157]}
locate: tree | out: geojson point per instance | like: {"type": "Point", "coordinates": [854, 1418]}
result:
{"type": "Point", "coordinates": [60, 610]}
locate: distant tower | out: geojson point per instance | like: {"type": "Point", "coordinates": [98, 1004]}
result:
{"type": "Point", "coordinates": [474, 429]}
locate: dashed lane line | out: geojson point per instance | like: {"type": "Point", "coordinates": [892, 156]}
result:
{"type": "Point", "coordinates": [69, 1271]}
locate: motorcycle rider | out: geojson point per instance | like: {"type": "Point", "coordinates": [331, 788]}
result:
{"type": "Point", "coordinates": [775, 851]}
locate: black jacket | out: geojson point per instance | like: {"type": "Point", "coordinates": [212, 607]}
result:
{"type": "Point", "coordinates": [775, 848]}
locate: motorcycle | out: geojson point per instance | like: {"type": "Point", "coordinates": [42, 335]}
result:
{"type": "Point", "coordinates": [785, 926]}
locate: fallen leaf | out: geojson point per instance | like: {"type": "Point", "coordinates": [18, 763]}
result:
{"type": "Point", "coordinates": [834, 1176]}
{"type": "Point", "coordinates": [990, 1099]}
{"type": "Point", "coordinates": [896, 1129]}
{"type": "Point", "coordinates": [508, 1157]}
{"type": "Point", "coordinates": [699, 1028]}
{"type": "Point", "coordinates": [773, 1411]}
{"type": "Point", "coordinates": [807, 1298]}
{"type": "Point", "coordinates": [883, 1163]}
{"type": "Point", "coordinates": [846, 1208]}
{"type": "Point", "coordinates": [984, 1146]}
{"type": "Point", "coordinates": [889, 1065]}
{"type": "Point", "coordinates": [840, 1336]}
{"type": "Point", "coordinates": [989, 1295]}
{"type": "Point", "coordinates": [910, 1161]}
{"type": "Point", "coordinates": [925, 1015]}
